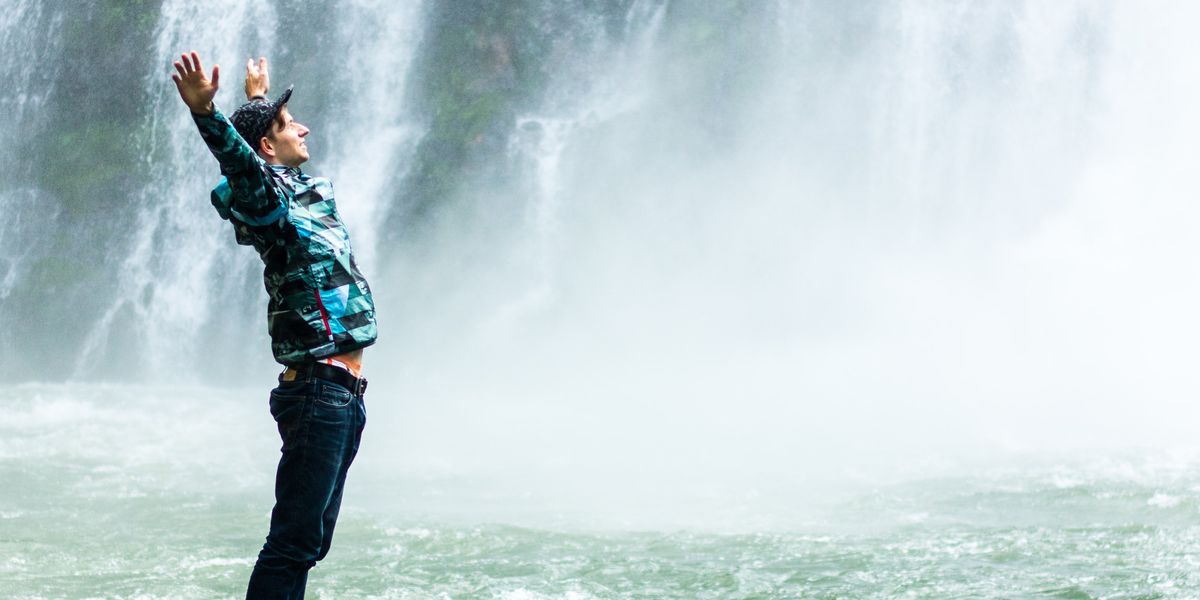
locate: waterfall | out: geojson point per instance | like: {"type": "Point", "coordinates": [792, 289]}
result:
{"type": "Point", "coordinates": [603, 86]}
{"type": "Point", "coordinates": [805, 227]}
{"type": "Point", "coordinates": [372, 136]}
{"type": "Point", "coordinates": [179, 267]}
{"type": "Point", "coordinates": [803, 206]}
{"type": "Point", "coordinates": [29, 36]}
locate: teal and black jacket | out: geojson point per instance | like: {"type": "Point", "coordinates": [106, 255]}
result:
{"type": "Point", "coordinates": [320, 304]}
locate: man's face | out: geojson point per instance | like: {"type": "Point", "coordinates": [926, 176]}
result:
{"type": "Point", "coordinates": [284, 143]}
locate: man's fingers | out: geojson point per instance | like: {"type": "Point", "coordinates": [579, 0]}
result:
{"type": "Point", "coordinates": [176, 78]}
{"type": "Point", "coordinates": [216, 78]}
{"type": "Point", "coordinates": [196, 62]}
{"type": "Point", "coordinates": [262, 64]}
{"type": "Point", "coordinates": [250, 66]}
{"type": "Point", "coordinates": [187, 63]}
{"type": "Point", "coordinates": [179, 68]}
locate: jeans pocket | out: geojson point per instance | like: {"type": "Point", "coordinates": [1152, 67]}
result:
{"type": "Point", "coordinates": [332, 394]}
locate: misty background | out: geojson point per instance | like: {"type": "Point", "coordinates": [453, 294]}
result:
{"type": "Point", "coordinates": [722, 245]}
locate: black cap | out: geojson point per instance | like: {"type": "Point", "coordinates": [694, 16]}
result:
{"type": "Point", "coordinates": [253, 119]}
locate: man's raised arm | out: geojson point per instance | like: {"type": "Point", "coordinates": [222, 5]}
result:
{"type": "Point", "coordinates": [197, 92]}
{"type": "Point", "coordinates": [249, 192]}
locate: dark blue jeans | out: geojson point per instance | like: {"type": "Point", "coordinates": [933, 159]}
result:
{"type": "Point", "coordinates": [321, 424]}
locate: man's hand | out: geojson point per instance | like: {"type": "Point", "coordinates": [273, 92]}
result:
{"type": "Point", "coordinates": [196, 90]}
{"type": "Point", "coordinates": [258, 82]}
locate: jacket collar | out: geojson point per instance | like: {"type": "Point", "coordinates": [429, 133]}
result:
{"type": "Point", "coordinates": [289, 171]}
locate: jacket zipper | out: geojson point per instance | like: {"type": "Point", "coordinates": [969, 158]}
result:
{"type": "Point", "coordinates": [324, 314]}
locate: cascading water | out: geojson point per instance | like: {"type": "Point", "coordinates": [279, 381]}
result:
{"type": "Point", "coordinates": [601, 86]}
{"type": "Point", "coordinates": [903, 289]}
{"type": "Point", "coordinates": [29, 36]}
{"type": "Point", "coordinates": [372, 136]}
{"type": "Point", "coordinates": [822, 216]}
{"type": "Point", "coordinates": [180, 275]}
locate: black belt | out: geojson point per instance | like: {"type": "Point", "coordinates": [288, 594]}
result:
{"type": "Point", "coordinates": [342, 377]}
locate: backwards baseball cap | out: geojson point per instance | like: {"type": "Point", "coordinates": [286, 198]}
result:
{"type": "Point", "coordinates": [252, 120]}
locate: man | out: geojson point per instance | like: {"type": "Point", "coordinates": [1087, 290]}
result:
{"type": "Point", "coordinates": [320, 314]}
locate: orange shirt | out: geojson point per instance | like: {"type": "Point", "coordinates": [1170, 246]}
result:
{"type": "Point", "coordinates": [351, 361]}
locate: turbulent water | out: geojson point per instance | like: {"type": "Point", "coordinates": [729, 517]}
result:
{"type": "Point", "coordinates": [677, 298]}
{"type": "Point", "coordinates": [157, 492]}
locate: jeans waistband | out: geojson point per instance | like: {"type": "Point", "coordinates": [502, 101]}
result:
{"type": "Point", "coordinates": [342, 377]}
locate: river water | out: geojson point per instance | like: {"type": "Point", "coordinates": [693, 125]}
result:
{"type": "Point", "coordinates": [159, 492]}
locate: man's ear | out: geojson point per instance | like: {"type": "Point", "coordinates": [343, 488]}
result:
{"type": "Point", "coordinates": [265, 147]}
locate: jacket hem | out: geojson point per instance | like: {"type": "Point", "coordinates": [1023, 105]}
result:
{"type": "Point", "coordinates": [342, 349]}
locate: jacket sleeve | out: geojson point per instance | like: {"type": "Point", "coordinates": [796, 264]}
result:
{"type": "Point", "coordinates": [248, 192]}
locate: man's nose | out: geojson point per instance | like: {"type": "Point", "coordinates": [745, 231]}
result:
{"type": "Point", "coordinates": [303, 130]}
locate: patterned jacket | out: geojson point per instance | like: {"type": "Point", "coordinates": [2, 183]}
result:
{"type": "Point", "coordinates": [320, 304]}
